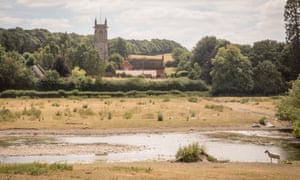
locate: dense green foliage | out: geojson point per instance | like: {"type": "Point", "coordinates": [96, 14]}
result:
{"type": "Point", "coordinates": [231, 72]}
{"type": "Point", "coordinates": [289, 108]}
{"type": "Point", "coordinates": [13, 73]}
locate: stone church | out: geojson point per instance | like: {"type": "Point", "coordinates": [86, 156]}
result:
{"type": "Point", "coordinates": [101, 40]}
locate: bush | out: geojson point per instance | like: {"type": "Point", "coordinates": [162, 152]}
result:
{"type": "Point", "coordinates": [190, 153]}
{"type": "Point", "coordinates": [193, 153]}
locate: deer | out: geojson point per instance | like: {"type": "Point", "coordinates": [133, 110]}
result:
{"type": "Point", "coordinates": [272, 155]}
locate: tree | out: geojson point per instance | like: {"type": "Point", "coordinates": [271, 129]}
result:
{"type": "Point", "coordinates": [231, 72]}
{"type": "Point", "coordinates": [118, 45]}
{"type": "Point", "coordinates": [117, 59]}
{"type": "Point", "coordinates": [60, 66]}
{"type": "Point", "coordinates": [13, 73]}
{"type": "Point", "coordinates": [196, 72]}
{"type": "Point", "coordinates": [292, 27]}
{"type": "Point", "coordinates": [265, 85]}
{"type": "Point", "coordinates": [88, 59]}
{"type": "Point", "coordinates": [289, 108]}
{"type": "Point", "coordinates": [205, 50]}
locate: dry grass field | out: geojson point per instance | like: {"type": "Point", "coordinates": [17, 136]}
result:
{"type": "Point", "coordinates": [168, 170]}
{"type": "Point", "coordinates": [148, 112]}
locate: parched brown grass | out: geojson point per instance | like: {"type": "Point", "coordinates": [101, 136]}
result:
{"type": "Point", "coordinates": [167, 170]}
{"type": "Point", "coordinates": [106, 113]}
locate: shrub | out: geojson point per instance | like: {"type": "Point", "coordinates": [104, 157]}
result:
{"type": "Point", "coordinates": [190, 153]}
{"type": "Point", "coordinates": [193, 153]}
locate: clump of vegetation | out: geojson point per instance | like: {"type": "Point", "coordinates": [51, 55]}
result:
{"type": "Point", "coordinates": [86, 112]}
{"type": "Point", "coordinates": [7, 115]}
{"type": "Point", "coordinates": [132, 169]}
{"type": "Point", "coordinates": [193, 153]}
{"type": "Point", "coordinates": [193, 99]}
{"type": "Point", "coordinates": [34, 169]}
{"type": "Point", "coordinates": [289, 108]}
{"type": "Point", "coordinates": [190, 153]}
{"type": "Point", "coordinates": [109, 115]}
{"type": "Point", "coordinates": [218, 108]}
{"type": "Point", "coordinates": [55, 104]}
{"type": "Point", "coordinates": [262, 121]}
{"type": "Point", "coordinates": [34, 112]}
{"type": "Point", "coordinates": [160, 116]}
{"type": "Point", "coordinates": [85, 106]}
{"type": "Point", "coordinates": [193, 114]}
{"type": "Point", "coordinates": [128, 115]}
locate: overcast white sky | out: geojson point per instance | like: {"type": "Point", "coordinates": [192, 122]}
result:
{"type": "Point", "coordinates": [185, 21]}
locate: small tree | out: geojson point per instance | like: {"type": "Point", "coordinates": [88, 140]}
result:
{"type": "Point", "coordinates": [289, 108]}
{"type": "Point", "coordinates": [60, 66]}
{"type": "Point", "coordinates": [116, 58]}
{"type": "Point", "coordinates": [263, 84]}
{"type": "Point", "coordinates": [231, 72]}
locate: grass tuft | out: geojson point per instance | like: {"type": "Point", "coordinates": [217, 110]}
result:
{"type": "Point", "coordinates": [34, 169]}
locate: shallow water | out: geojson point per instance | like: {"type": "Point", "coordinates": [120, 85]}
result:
{"type": "Point", "coordinates": [163, 146]}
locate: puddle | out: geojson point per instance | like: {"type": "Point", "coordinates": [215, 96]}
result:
{"type": "Point", "coordinates": [163, 147]}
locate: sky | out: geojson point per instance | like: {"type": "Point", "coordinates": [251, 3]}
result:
{"type": "Point", "coordinates": [184, 21]}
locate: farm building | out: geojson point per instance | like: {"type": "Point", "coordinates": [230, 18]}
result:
{"type": "Point", "coordinates": [150, 66]}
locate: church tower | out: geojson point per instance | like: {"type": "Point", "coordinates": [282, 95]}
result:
{"type": "Point", "coordinates": [100, 39]}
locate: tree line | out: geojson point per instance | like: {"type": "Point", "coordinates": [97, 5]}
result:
{"type": "Point", "coordinates": [264, 68]}
{"type": "Point", "coordinates": [66, 53]}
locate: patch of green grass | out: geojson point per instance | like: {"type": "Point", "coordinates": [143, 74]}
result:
{"type": "Point", "coordinates": [132, 169]}
{"type": "Point", "coordinates": [34, 169]}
